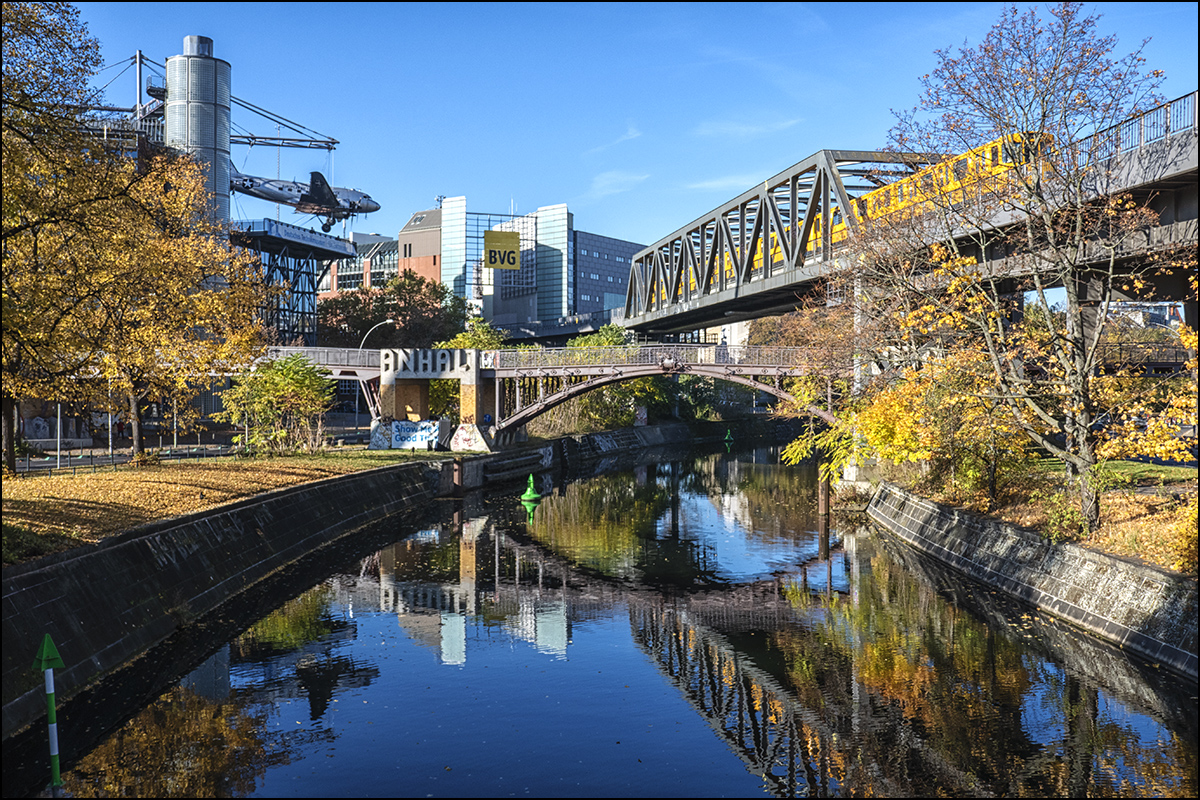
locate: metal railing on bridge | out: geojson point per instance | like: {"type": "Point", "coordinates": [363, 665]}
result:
{"type": "Point", "coordinates": [331, 356]}
{"type": "Point", "coordinates": [666, 356]}
{"type": "Point", "coordinates": [1157, 123]}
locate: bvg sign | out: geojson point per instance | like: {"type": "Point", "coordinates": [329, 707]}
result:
{"type": "Point", "coordinates": [502, 249]}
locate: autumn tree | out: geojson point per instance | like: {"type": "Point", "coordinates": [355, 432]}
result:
{"type": "Point", "coordinates": [51, 181]}
{"type": "Point", "coordinates": [187, 308]}
{"type": "Point", "coordinates": [1039, 204]}
{"type": "Point", "coordinates": [424, 311]}
{"type": "Point", "coordinates": [826, 332]}
{"type": "Point", "coordinates": [116, 281]}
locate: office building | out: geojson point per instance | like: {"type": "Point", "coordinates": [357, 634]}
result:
{"type": "Point", "coordinates": [562, 271]}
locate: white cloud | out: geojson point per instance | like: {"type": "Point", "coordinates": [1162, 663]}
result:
{"type": "Point", "coordinates": [614, 182]}
{"type": "Point", "coordinates": [742, 130]}
{"type": "Point", "coordinates": [729, 183]}
{"type": "Point", "coordinates": [630, 133]}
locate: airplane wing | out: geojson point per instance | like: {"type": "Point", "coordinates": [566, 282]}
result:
{"type": "Point", "coordinates": [319, 194]}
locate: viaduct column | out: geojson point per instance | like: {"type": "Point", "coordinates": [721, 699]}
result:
{"type": "Point", "coordinates": [476, 396]}
{"type": "Point", "coordinates": [401, 398]}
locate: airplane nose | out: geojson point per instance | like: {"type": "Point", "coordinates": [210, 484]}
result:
{"type": "Point", "coordinates": [370, 205]}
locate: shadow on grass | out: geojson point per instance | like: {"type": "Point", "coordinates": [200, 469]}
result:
{"type": "Point", "coordinates": [22, 544]}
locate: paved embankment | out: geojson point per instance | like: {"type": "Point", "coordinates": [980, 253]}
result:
{"type": "Point", "coordinates": [1140, 607]}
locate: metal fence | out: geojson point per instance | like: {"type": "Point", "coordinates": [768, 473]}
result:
{"type": "Point", "coordinates": [1158, 123]}
{"type": "Point", "coordinates": [330, 356]}
{"type": "Point", "coordinates": [645, 355]}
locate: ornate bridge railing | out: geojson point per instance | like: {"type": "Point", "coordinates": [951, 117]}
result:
{"type": "Point", "coordinates": [668, 357]}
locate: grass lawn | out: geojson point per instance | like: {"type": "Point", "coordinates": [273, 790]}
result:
{"type": "Point", "coordinates": [48, 514]}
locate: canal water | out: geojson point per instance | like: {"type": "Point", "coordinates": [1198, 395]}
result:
{"type": "Point", "coordinates": [689, 627]}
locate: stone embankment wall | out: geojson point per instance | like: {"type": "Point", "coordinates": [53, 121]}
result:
{"type": "Point", "coordinates": [1142, 608]}
{"type": "Point", "coordinates": [106, 604]}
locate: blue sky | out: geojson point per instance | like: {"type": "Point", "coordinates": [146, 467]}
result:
{"type": "Point", "coordinates": [641, 117]}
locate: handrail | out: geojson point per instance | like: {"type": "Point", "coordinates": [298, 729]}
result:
{"type": "Point", "coordinates": [661, 354]}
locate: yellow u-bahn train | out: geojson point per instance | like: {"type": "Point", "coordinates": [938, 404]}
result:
{"type": "Point", "coordinates": [945, 180]}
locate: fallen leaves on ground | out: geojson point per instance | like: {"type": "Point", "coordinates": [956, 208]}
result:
{"type": "Point", "coordinates": [1131, 524]}
{"type": "Point", "coordinates": [89, 507]}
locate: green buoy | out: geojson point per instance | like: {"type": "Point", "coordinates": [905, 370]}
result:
{"type": "Point", "coordinates": [531, 494]}
{"type": "Point", "coordinates": [530, 499]}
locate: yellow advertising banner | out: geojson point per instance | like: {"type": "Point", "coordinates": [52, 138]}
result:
{"type": "Point", "coordinates": [502, 249]}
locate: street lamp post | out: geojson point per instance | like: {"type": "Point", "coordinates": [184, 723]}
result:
{"type": "Point", "coordinates": [360, 347]}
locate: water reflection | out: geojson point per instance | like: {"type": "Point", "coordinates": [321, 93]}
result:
{"type": "Point", "coordinates": [754, 648]}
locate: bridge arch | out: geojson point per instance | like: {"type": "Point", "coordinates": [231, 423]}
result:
{"type": "Point", "coordinates": [570, 390]}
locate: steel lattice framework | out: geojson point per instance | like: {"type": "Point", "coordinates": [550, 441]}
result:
{"type": "Point", "coordinates": [714, 260]}
{"type": "Point", "coordinates": [713, 270]}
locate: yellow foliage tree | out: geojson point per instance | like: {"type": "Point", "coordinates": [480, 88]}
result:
{"type": "Point", "coordinates": [112, 270]}
{"type": "Point", "coordinates": [953, 269]}
{"type": "Point", "coordinates": [187, 306]}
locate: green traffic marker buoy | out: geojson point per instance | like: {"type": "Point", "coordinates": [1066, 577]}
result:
{"type": "Point", "coordinates": [530, 492]}
{"type": "Point", "coordinates": [530, 499]}
{"type": "Point", "coordinates": [47, 659]}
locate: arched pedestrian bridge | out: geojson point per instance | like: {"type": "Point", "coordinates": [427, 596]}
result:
{"type": "Point", "coordinates": [501, 390]}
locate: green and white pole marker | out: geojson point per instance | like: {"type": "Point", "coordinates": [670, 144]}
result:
{"type": "Point", "coordinates": [47, 659]}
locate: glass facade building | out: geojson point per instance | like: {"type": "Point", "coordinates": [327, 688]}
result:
{"type": "Point", "coordinates": [563, 272]}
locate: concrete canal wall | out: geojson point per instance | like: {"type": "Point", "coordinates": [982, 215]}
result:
{"type": "Point", "coordinates": [1142, 608]}
{"type": "Point", "coordinates": [104, 605]}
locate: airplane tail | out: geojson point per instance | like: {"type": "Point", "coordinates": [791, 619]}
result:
{"type": "Point", "coordinates": [319, 191]}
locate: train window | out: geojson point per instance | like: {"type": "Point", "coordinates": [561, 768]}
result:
{"type": "Point", "coordinates": [837, 217]}
{"type": "Point", "coordinates": [960, 170]}
{"type": "Point", "coordinates": [861, 203]}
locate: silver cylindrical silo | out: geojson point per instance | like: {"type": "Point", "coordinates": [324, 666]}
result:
{"type": "Point", "coordinates": [197, 114]}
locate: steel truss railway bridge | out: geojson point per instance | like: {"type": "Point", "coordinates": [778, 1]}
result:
{"type": "Point", "coordinates": [711, 271]}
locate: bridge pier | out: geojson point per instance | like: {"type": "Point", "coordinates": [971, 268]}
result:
{"type": "Point", "coordinates": [403, 399]}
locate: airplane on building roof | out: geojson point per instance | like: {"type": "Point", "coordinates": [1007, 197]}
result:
{"type": "Point", "coordinates": [315, 197]}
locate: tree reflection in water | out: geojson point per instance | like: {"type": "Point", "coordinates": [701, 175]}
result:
{"type": "Point", "coordinates": [828, 662]}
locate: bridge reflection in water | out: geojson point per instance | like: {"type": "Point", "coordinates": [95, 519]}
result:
{"type": "Point", "coordinates": [829, 661]}
{"type": "Point", "coordinates": [822, 678]}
